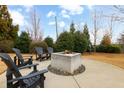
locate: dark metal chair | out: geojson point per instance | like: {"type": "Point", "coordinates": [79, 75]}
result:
{"type": "Point", "coordinates": [15, 78]}
{"type": "Point", "coordinates": [49, 52]}
{"type": "Point", "coordinates": [40, 53]}
{"type": "Point", "coordinates": [22, 60]}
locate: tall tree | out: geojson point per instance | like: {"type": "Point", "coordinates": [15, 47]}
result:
{"type": "Point", "coordinates": [121, 42]}
{"type": "Point", "coordinates": [35, 29]}
{"type": "Point", "coordinates": [72, 28]}
{"type": "Point", "coordinates": [96, 23]}
{"type": "Point", "coordinates": [8, 31]}
{"type": "Point", "coordinates": [106, 40]}
{"type": "Point", "coordinates": [87, 36]}
{"type": "Point", "coordinates": [49, 41]}
{"type": "Point", "coordinates": [23, 42]}
{"type": "Point", "coordinates": [86, 32]}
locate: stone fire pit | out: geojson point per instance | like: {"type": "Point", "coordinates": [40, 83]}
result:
{"type": "Point", "coordinates": [66, 64]}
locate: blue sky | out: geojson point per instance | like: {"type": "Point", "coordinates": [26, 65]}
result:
{"type": "Point", "coordinates": [65, 15]}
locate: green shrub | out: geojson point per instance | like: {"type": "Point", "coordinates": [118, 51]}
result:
{"type": "Point", "coordinates": [23, 42]}
{"type": "Point", "coordinates": [80, 42]}
{"type": "Point", "coordinates": [73, 40]}
{"type": "Point", "coordinates": [64, 42]}
{"type": "Point", "coordinates": [101, 48]}
{"type": "Point", "coordinates": [38, 44]}
{"type": "Point", "coordinates": [6, 45]}
{"type": "Point", "coordinates": [108, 49]}
{"type": "Point", "coordinates": [76, 42]}
{"type": "Point", "coordinates": [49, 41]}
{"type": "Point", "coordinates": [113, 49]}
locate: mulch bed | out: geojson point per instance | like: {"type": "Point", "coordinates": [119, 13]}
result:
{"type": "Point", "coordinates": [80, 70]}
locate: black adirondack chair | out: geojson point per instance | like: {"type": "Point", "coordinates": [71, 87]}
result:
{"type": "Point", "coordinates": [22, 60]}
{"type": "Point", "coordinates": [49, 52]}
{"type": "Point", "coordinates": [15, 78]}
{"type": "Point", "coordinates": [40, 53]}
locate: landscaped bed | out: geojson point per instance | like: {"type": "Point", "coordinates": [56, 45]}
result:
{"type": "Point", "coordinates": [114, 59]}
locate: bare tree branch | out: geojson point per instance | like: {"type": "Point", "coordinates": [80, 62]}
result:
{"type": "Point", "coordinates": [35, 28]}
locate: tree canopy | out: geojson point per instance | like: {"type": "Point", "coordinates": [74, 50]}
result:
{"type": "Point", "coordinates": [8, 31]}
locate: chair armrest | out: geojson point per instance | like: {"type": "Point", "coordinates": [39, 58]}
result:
{"type": "Point", "coordinates": [28, 56]}
{"type": "Point", "coordinates": [29, 76]}
{"type": "Point", "coordinates": [27, 66]}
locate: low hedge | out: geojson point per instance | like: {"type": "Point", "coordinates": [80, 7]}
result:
{"type": "Point", "coordinates": [38, 44]}
{"type": "Point", "coordinates": [108, 49]}
{"type": "Point", "coordinates": [6, 46]}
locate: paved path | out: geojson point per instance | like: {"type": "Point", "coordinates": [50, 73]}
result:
{"type": "Point", "coordinates": [97, 74]}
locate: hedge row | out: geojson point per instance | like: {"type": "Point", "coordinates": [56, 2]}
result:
{"type": "Point", "coordinates": [108, 49]}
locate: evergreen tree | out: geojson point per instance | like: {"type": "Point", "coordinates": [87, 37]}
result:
{"type": "Point", "coordinates": [64, 42]}
{"type": "Point", "coordinates": [86, 32]}
{"type": "Point", "coordinates": [72, 28]}
{"type": "Point", "coordinates": [8, 31]}
{"type": "Point", "coordinates": [87, 36]}
{"type": "Point", "coordinates": [80, 42]}
{"type": "Point", "coordinates": [23, 42]}
{"type": "Point", "coordinates": [49, 41]}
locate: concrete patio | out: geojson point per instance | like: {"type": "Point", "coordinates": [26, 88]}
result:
{"type": "Point", "coordinates": [97, 75]}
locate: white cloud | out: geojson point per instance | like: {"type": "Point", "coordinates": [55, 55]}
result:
{"type": "Point", "coordinates": [90, 7]}
{"type": "Point", "coordinates": [28, 8]}
{"type": "Point", "coordinates": [17, 17]}
{"type": "Point", "coordinates": [61, 24]}
{"type": "Point", "coordinates": [73, 9]}
{"type": "Point", "coordinates": [19, 9]}
{"type": "Point", "coordinates": [51, 13]}
{"type": "Point", "coordinates": [82, 23]}
{"type": "Point", "coordinates": [64, 14]}
{"type": "Point", "coordinates": [51, 23]}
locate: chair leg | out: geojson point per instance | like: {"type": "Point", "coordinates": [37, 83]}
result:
{"type": "Point", "coordinates": [9, 77]}
{"type": "Point", "coordinates": [42, 78]}
{"type": "Point", "coordinates": [40, 58]}
{"type": "Point", "coordinates": [15, 60]}
{"type": "Point", "coordinates": [30, 61]}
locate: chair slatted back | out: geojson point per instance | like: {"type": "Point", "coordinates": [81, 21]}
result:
{"type": "Point", "coordinates": [39, 50]}
{"type": "Point", "coordinates": [10, 64]}
{"type": "Point", "coordinates": [50, 50]}
{"type": "Point", "coordinates": [18, 54]}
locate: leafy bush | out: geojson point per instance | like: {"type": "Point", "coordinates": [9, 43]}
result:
{"type": "Point", "coordinates": [113, 49]}
{"type": "Point", "coordinates": [23, 42]}
{"type": "Point", "coordinates": [80, 42]}
{"type": "Point", "coordinates": [38, 44]}
{"type": "Point", "coordinates": [101, 48]}
{"type": "Point", "coordinates": [108, 49]}
{"type": "Point", "coordinates": [64, 42]}
{"type": "Point", "coordinates": [49, 41]}
{"type": "Point", "coordinates": [6, 45]}
{"type": "Point", "coordinates": [73, 40]}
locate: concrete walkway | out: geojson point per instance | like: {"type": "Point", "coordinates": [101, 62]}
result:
{"type": "Point", "coordinates": [97, 74]}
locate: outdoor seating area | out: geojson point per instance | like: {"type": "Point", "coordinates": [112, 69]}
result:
{"type": "Point", "coordinates": [57, 46]}
{"type": "Point", "coordinates": [90, 78]}
{"type": "Point", "coordinates": [19, 60]}
{"type": "Point", "coordinates": [33, 79]}
{"type": "Point", "coordinates": [40, 54]}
